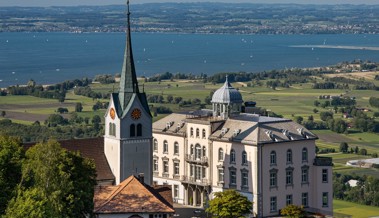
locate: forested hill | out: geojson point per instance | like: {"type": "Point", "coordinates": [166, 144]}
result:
{"type": "Point", "coordinates": [197, 18]}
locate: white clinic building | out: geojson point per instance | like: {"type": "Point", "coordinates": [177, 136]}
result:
{"type": "Point", "coordinates": [270, 160]}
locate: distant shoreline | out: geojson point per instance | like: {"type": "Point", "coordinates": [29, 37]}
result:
{"type": "Point", "coordinates": [337, 47]}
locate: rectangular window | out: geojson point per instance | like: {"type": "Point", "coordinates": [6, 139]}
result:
{"type": "Point", "coordinates": [245, 179]}
{"type": "Point", "coordinates": [304, 175]}
{"type": "Point", "coordinates": [289, 177]}
{"type": "Point", "coordinates": [165, 166]}
{"type": "Point", "coordinates": [155, 167]}
{"type": "Point", "coordinates": [273, 179]}
{"type": "Point", "coordinates": [203, 173]}
{"type": "Point", "coordinates": [325, 199]}
{"type": "Point", "coordinates": [176, 148]}
{"type": "Point", "coordinates": [304, 199]}
{"type": "Point", "coordinates": [176, 191]}
{"type": "Point", "coordinates": [273, 204]}
{"type": "Point", "coordinates": [176, 168]}
{"type": "Point", "coordinates": [220, 175]}
{"type": "Point", "coordinates": [191, 170]}
{"type": "Point", "coordinates": [288, 199]}
{"type": "Point", "coordinates": [233, 177]}
{"type": "Point", "coordinates": [324, 175]}
{"type": "Point", "coordinates": [197, 173]}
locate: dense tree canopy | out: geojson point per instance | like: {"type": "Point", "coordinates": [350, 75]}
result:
{"type": "Point", "coordinates": [229, 204]}
{"type": "Point", "coordinates": [11, 154]}
{"type": "Point", "coordinates": [56, 182]}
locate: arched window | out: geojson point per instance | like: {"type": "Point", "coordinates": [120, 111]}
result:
{"type": "Point", "coordinates": [110, 129]}
{"type": "Point", "coordinates": [132, 130]}
{"type": "Point", "coordinates": [244, 157]}
{"type": "Point", "coordinates": [139, 129]}
{"type": "Point", "coordinates": [204, 135]}
{"type": "Point", "coordinates": [191, 132]}
{"type": "Point", "coordinates": [197, 132]}
{"type": "Point", "coordinates": [155, 145]}
{"type": "Point", "coordinates": [232, 156]}
{"type": "Point", "coordinates": [289, 156]}
{"type": "Point", "coordinates": [165, 146]}
{"type": "Point", "coordinates": [220, 154]}
{"type": "Point", "coordinates": [198, 151]}
{"type": "Point", "coordinates": [114, 129]}
{"type": "Point", "coordinates": [304, 155]}
{"type": "Point", "coordinates": [176, 148]}
{"type": "Point", "coordinates": [273, 158]}
{"type": "Point", "coordinates": [204, 151]}
{"type": "Point", "coordinates": [191, 151]}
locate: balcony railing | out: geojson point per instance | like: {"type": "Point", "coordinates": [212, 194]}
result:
{"type": "Point", "coordinates": [192, 180]}
{"type": "Point", "coordinates": [192, 158]}
{"type": "Point", "coordinates": [323, 161]}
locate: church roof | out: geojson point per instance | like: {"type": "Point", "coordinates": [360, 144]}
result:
{"type": "Point", "coordinates": [92, 148]}
{"type": "Point", "coordinates": [133, 196]}
{"type": "Point", "coordinates": [227, 94]}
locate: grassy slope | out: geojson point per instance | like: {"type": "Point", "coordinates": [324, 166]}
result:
{"type": "Point", "coordinates": [355, 210]}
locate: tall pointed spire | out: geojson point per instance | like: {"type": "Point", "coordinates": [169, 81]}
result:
{"type": "Point", "coordinates": [128, 82]}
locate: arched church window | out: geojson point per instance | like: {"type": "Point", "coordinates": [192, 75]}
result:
{"type": "Point", "coordinates": [155, 146]}
{"type": "Point", "coordinates": [191, 132]}
{"type": "Point", "coordinates": [204, 134]}
{"type": "Point", "coordinates": [197, 132]}
{"type": "Point", "coordinates": [191, 151]}
{"type": "Point", "coordinates": [132, 130]}
{"type": "Point", "coordinates": [139, 129]}
{"type": "Point", "coordinates": [110, 128]}
{"type": "Point", "coordinates": [204, 151]}
{"type": "Point", "coordinates": [114, 129]}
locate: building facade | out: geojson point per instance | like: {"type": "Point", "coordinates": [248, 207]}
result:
{"type": "Point", "coordinates": [271, 161]}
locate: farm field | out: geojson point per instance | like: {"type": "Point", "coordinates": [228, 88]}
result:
{"type": "Point", "coordinates": [355, 210]}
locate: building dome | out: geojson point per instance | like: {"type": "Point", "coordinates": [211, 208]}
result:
{"type": "Point", "coordinates": [227, 94]}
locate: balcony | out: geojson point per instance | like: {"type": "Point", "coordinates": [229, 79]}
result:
{"type": "Point", "coordinates": [192, 180]}
{"type": "Point", "coordinates": [323, 161]}
{"type": "Point", "coordinates": [193, 159]}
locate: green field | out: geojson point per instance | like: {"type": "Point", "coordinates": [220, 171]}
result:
{"type": "Point", "coordinates": [355, 210]}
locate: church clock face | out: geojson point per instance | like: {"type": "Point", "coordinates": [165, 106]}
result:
{"type": "Point", "coordinates": [136, 114]}
{"type": "Point", "coordinates": [112, 113]}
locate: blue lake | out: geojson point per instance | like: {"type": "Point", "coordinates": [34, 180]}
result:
{"type": "Point", "coordinates": [54, 57]}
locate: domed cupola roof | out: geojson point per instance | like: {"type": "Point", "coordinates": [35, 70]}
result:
{"type": "Point", "coordinates": [227, 94]}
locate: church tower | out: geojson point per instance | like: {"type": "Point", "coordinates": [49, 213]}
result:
{"type": "Point", "coordinates": [128, 124]}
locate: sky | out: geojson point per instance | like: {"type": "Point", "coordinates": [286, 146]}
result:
{"type": "Point", "coordinates": [110, 2]}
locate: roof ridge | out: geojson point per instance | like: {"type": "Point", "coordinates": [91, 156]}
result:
{"type": "Point", "coordinates": [116, 191]}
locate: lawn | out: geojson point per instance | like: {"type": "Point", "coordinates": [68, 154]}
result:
{"type": "Point", "coordinates": [355, 210]}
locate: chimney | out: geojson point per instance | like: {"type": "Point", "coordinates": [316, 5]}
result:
{"type": "Point", "coordinates": [141, 178]}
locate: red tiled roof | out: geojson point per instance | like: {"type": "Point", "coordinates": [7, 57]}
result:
{"type": "Point", "coordinates": [132, 196]}
{"type": "Point", "coordinates": [92, 148]}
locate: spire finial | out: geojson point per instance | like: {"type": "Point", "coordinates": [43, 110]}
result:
{"type": "Point", "coordinates": [127, 4]}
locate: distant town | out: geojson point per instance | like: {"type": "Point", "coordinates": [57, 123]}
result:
{"type": "Point", "coordinates": [206, 18]}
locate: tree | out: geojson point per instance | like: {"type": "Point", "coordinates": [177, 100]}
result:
{"type": "Point", "coordinates": [56, 182]}
{"type": "Point", "coordinates": [96, 120]}
{"type": "Point", "coordinates": [293, 211]}
{"type": "Point", "coordinates": [170, 98]}
{"type": "Point", "coordinates": [3, 113]}
{"type": "Point", "coordinates": [363, 151]}
{"type": "Point", "coordinates": [62, 110]}
{"type": "Point", "coordinates": [325, 115]}
{"type": "Point", "coordinates": [344, 147]}
{"type": "Point", "coordinates": [229, 204]}
{"type": "Point", "coordinates": [78, 107]}
{"type": "Point", "coordinates": [315, 110]}
{"type": "Point", "coordinates": [11, 154]}
{"type": "Point", "coordinates": [299, 119]}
